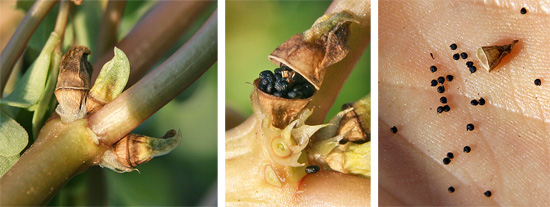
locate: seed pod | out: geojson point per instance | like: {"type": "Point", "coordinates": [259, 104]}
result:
{"type": "Point", "coordinates": [73, 84]}
{"type": "Point", "coordinates": [353, 124]}
{"type": "Point", "coordinates": [282, 111]}
{"type": "Point", "coordinates": [490, 56]}
{"type": "Point", "coordinates": [311, 52]}
{"type": "Point", "coordinates": [134, 149]}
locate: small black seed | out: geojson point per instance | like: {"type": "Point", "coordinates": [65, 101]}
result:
{"type": "Point", "coordinates": [523, 10]}
{"type": "Point", "coordinates": [474, 102]}
{"type": "Point", "coordinates": [446, 160]}
{"type": "Point", "coordinates": [294, 94]}
{"type": "Point", "coordinates": [281, 85]}
{"type": "Point", "coordinates": [434, 82]}
{"type": "Point", "coordinates": [440, 109]}
{"type": "Point", "coordinates": [278, 71]}
{"type": "Point", "coordinates": [469, 63]}
{"type": "Point", "coordinates": [265, 73]}
{"type": "Point", "coordinates": [450, 155]}
{"type": "Point", "coordinates": [470, 127]}
{"type": "Point", "coordinates": [537, 82]}
{"type": "Point", "coordinates": [440, 89]}
{"type": "Point", "coordinates": [473, 69]}
{"type": "Point", "coordinates": [467, 149]}
{"type": "Point", "coordinates": [278, 94]}
{"type": "Point", "coordinates": [451, 189]}
{"type": "Point", "coordinates": [393, 129]}
{"type": "Point", "coordinates": [487, 193]}
{"type": "Point", "coordinates": [269, 88]}
{"type": "Point", "coordinates": [453, 46]}
{"type": "Point", "coordinates": [450, 78]}
{"type": "Point", "coordinates": [432, 55]}
{"type": "Point", "coordinates": [278, 76]}
{"type": "Point", "coordinates": [456, 56]}
{"type": "Point", "coordinates": [433, 69]}
{"type": "Point", "coordinates": [463, 55]}
{"type": "Point", "coordinates": [446, 108]}
{"type": "Point", "coordinates": [312, 169]}
{"type": "Point", "coordinates": [481, 101]}
{"type": "Point", "coordinates": [441, 80]}
{"type": "Point", "coordinates": [443, 100]}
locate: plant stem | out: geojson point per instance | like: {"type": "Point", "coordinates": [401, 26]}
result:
{"type": "Point", "coordinates": [19, 40]}
{"type": "Point", "coordinates": [135, 105]}
{"type": "Point", "coordinates": [61, 21]}
{"type": "Point", "coordinates": [154, 35]}
{"type": "Point", "coordinates": [338, 73]}
{"type": "Point", "coordinates": [108, 29]}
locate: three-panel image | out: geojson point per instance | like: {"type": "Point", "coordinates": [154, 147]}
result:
{"type": "Point", "coordinates": [274, 103]}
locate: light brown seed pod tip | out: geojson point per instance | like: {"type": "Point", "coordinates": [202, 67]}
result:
{"type": "Point", "coordinates": [490, 56]}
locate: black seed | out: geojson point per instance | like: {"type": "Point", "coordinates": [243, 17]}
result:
{"type": "Point", "coordinates": [537, 82]}
{"type": "Point", "coordinates": [456, 56]}
{"type": "Point", "coordinates": [450, 78]}
{"type": "Point", "coordinates": [463, 55]}
{"type": "Point", "coordinates": [312, 169]}
{"type": "Point", "coordinates": [446, 161]}
{"type": "Point", "coordinates": [278, 76]}
{"type": "Point", "coordinates": [470, 127]}
{"type": "Point", "coordinates": [469, 63]}
{"type": "Point", "coordinates": [298, 79]}
{"type": "Point", "coordinates": [451, 189]}
{"type": "Point", "coordinates": [523, 10]}
{"type": "Point", "coordinates": [432, 55]}
{"type": "Point", "coordinates": [393, 129]}
{"type": "Point", "coordinates": [450, 155]}
{"type": "Point", "coordinates": [474, 102]}
{"type": "Point", "coordinates": [308, 90]}
{"type": "Point", "coordinates": [434, 82]}
{"type": "Point", "coordinates": [443, 100]}
{"type": "Point", "coordinates": [473, 69]}
{"type": "Point", "coordinates": [440, 89]}
{"type": "Point", "coordinates": [278, 94]}
{"type": "Point", "coordinates": [441, 80]}
{"type": "Point", "coordinates": [453, 46]}
{"type": "Point", "coordinates": [467, 149]}
{"type": "Point", "coordinates": [269, 88]}
{"type": "Point", "coordinates": [481, 101]}
{"type": "Point", "coordinates": [278, 71]}
{"type": "Point", "coordinates": [487, 193]}
{"type": "Point", "coordinates": [285, 68]}
{"type": "Point", "coordinates": [433, 69]}
{"type": "Point", "coordinates": [440, 109]}
{"type": "Point", "coordinates": [281, 85]}
{"type": "Point", "coordinates": [446, 108]}
{"type": "Point", "coordinates": [265, 73]}
{"type": "Point", "coordinates": [294, 94]}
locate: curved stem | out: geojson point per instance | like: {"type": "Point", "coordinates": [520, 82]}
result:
{"type": "Point", "coordinates": [19, 40]}
{"type": "Point", "coordinates": [136, 104]}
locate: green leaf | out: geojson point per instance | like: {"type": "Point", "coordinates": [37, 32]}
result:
{"type": "Point", "coordinates": [6, 163]}
{"type": "Point", "coordinates": [13, 137]}
{"type": "Point", "coordinates": [24, 5]}
{"type": "Point", "coordinates": [112, 79]}
{"type": "Point", "coordinates": [30, 88]}
{"type": "Point", "coordinates": [47, 102]}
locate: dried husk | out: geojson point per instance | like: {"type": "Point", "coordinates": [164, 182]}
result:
{"type": "Point", "coordinates": [355, 125]}
{"type": "Point", "coordinates": [311, 52]}
{"type": "Point", "coordinates": [73, 84]}
{"type": "Point", "coordinates": [490, 56]}
{"type": "Point", "coordinates": [281, 110]}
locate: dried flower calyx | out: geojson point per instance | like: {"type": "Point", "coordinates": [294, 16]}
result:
{"type": "Point", "coordinates": [285, 83]}
{"type": "Point", "coordinates": [490, 56]}
{"type": "Point", "coordinates": [73, 84]}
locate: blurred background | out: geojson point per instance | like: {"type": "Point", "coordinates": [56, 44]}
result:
{"type": "Point", "coordinates": [254, 29]}
{"type": "Point", "coordinates": [184, 177]}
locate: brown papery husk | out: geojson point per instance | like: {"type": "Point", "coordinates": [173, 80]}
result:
{"type": "Point", "coordinates": [281, 110]}
{"type": "Point", "coordinates": [93, 104]}
{"type": "Point", "coordinates": [133, 150]}
{"type": "Point", "coordinates": [351, 126]}
{"type": "Point", "coordinates": [310, 54]}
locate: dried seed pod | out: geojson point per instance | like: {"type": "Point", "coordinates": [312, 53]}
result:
{"type": "Point", "coordinates": [134, 149]}
{"type": "Point", "coordinates": [351, 125]}
{"type": "Point", "coordinates": [490, 56]}
{"type": "Point", "coordinates": [282, 111]}
{"type": "Point", "coordinates": [73, 84]}
{"type": "Point", "coordinates": [311, 52]}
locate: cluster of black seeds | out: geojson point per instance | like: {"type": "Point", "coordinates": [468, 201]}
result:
{"type": "Point", "coordinates": [285, 83]}
{"type": "Point", "coordinates": [481, 102]}
{"type": "Point", "coordinates": [447, 159]}
{"type": "Point", "coordinates": [441, 89]}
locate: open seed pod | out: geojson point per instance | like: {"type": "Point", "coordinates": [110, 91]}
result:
{"type": "Point", "coordinates": [354, 125]}
{"type": "Point", "coordinates": [311, 52]}
{"type": "Point", "coordinates": [73, 84]}
{"type": "Point", "coordinates": [490, 56]}
{"type": "Point", "coordinates": [282, 111]}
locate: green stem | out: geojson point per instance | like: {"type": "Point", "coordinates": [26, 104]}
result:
{"type": "Point", "coordinates": [108, 29]}
{"type": "Point", "coordinates": [154, 35]}
{"type": "Point", "coordinates": [61, 22]}
{"type": "Point", "coordinates": [135, 105]}
{"type": "Point", "coordinates": [19, 40]}
{"type": "Point", "coordinates": [338, 73]}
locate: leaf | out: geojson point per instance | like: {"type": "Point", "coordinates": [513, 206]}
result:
{"type": "Point", "coordinates": [13, 137]}
{"type": "Point", "coordinates": [113, 78]}
{"type": "Point", "coordinates": [6, 163]}
{"type": "Point", "coordinates": [30, 88]}
{"type": "Point", "coordinates": [47, 103]}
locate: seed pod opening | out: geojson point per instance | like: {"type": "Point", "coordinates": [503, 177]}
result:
{"type": "Point", "coordinates": [73, 84]}
{"type": "Point", "coordinates": [311, 52]}
{"type": "Point", "coordinates": [282, 111]}
{"type": "Point", "coordinates": [490, 56]}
